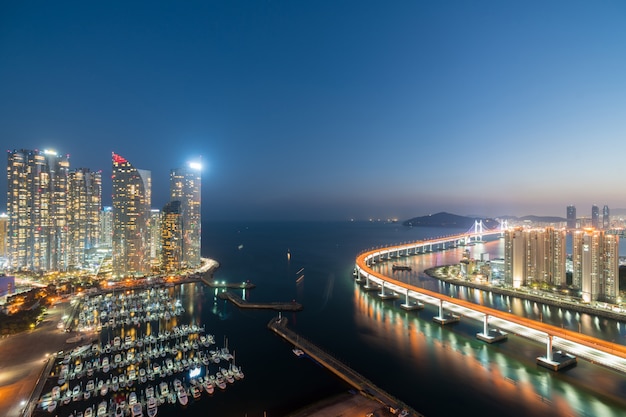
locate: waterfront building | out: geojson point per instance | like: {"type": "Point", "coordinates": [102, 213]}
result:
{"type": "Point", "coordinates": [606, 220]}
{"type": "Point", "coordinates": [37, 206]}
{"type": "Point", "coordinates": [155, 238]}
{"type": "Point", "coordinates": [595, 217]}
{"type": "Point", "coordinates": [4, 224]}
{"type": "Point", "coordinates": [186, 187]}
{"type": "Point", "coordinates": [595, 264]}
{"type": "Point", "coordinates": [85, 200]}
{"type": "Point", "coordinates": [571, 217]}
{"type": "Point", "coordinates": [534, 256]}
{"type": "Point", "coordinates": [172, 237]}
{"type": "Point", "coordinates": [131, 218]}
{"type": "Point", "coordinates": [106, 227]}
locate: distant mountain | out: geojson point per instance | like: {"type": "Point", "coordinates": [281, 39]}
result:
{"type": "Point", "coordinates": [444, 219]}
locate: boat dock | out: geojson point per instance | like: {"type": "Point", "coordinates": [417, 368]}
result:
{"type": "Point", "coordinates": [241, 303]}
{"type": "Point", "coordinates": [279, 326]}
{"type": "Point", "coordinates": [222, 284]}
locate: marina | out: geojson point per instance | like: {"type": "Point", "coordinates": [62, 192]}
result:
{"type": "Point", "coordinates": [144, 359]}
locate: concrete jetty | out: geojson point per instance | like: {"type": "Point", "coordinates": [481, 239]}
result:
{"type": "Point", "coordinates": [367, 388]}
{"type": "Point", "coordinates": [241, 303]}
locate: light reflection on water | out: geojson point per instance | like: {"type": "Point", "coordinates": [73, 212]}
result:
{"type": "Point", "coordinates": [433, 351]}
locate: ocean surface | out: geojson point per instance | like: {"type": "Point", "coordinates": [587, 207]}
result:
{"type": "Point", "coordinates": [439, 371]}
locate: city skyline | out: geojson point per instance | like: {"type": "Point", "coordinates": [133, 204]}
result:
{"type": "Point", "coordinates": [330, 111]}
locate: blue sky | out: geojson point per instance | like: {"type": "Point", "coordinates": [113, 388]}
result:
{"type": "Point", "coordinates": [330, 109]}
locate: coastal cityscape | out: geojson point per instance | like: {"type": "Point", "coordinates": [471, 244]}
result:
{"type": "Point", "coordinates": [312, 209]}
{"type": "Point", "coordinates": [128, 351]}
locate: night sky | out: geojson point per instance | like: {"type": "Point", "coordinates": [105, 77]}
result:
{"type": "Point", "coordinates": [329, 110]}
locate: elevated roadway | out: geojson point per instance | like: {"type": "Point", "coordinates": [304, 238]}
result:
{"type": "Point", "coordinates": [600, 351]}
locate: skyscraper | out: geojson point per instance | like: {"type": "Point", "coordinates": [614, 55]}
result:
{"type": "Point", "coordinates": [37, 201]}
{"type": "Point", "coordinates": [606, 220]}
{"type": "Point", "coordinates": [595, 217]}
{"type": "Point", "coordinates": [131, 218]}
{"type": "Point", "coordinates": [595, 261]}
{"type": "Point", "coordinates": [534, 256]}
{"type": "Point", "coordinates": [571, 217]}
{"type": "Point", "coordinates": [4, 224]}
{"type": "Point", "coordinates": [85, 201]}
{"type": "Point", "coordinates": [171, 237]}
{"type": "Point", "coordinates": [186, 186]}
{"type": "Point", "coordinates": [106, 227]}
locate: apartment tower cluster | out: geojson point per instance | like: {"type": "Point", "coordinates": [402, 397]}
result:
{"type": "Point", "coordinates": [537, 256]}
{"type": "Point", "coordinates": [55, 217]}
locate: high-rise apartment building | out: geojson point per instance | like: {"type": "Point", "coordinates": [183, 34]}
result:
{"type": "Point", "coordinates": [606, 219]}
{"type": "Point", "coordinates": [595, 261]}
{"type": "Point", "coordinates": [172, 236]}
{"type": "Point", "coordinates": [37, 203]}
{"type": "Point", "coordinates": [131, 218]}
{"type": "Point", "coordinates": [106, 227]}
{"type": "Point", "coordinates": [155, 237]}
{"type": "Point", "coordinates": [85, 201]}
{"type": "Point", "coordinates": [4, 224]}
{"type": "Point", "coordinates": [186, 186]}
{"type": "Point", "coordinates": [571, 217]}
{"type": "Point", "coordinates": [595, 217]}
{"type": "Point", "coordinates": [534, 256]}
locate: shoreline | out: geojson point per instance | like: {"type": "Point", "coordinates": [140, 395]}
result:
{"type": "Point", "coordinates": [555, 302]}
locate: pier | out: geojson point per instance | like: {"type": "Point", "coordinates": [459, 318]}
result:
{"type": "Point", "coordinates": [367, 388]}
{"type": "Point", "coordinates": [222, 284]}
{"type": "Point", "coordinates": [241, 303]}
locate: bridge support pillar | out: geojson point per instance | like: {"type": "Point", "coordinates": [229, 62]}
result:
{"type": "Point", "coordinates": [555, 360]}
{"type": "Point", "coordinates": [447, 318]}
{"type": "Point", "coordinates": [490, 335]}
{"type": "Point", "coordinates": [384, 295]}
{"type": "Point", "coordinates": [408, 305]}
{"type": "Point", "coordinates": [368, 286]}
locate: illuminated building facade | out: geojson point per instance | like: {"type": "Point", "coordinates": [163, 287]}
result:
{"type": "Point", "coordinates": [155, 238]}
{"type": "Point", "coordinates": [37, 203]}
{"type": "Point", "coordinates": [4, 224]}
{"type": "Point", "coordinates": [595, 262]}
{"type": "Point", "coordinates": [534, 256]}
{"type": "Point", "coordinates": [106, 227]}
{"type": "Point", "coordinates": [172, 237]}
{"type": "Point", "coordinates": [571, 217]}
{"type": "Point", "coordinates": [85, 201]}
{"type": "Point", "coordinates": [185, 186]}
{"type": "Point", "coordinates": [131, 219]}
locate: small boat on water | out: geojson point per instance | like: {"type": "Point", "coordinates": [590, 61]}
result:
{"type": "Point", "coordinates": [297, 352]}
{"type": "Point", "coordinates": [396, 267]}
{"type": "Point", "coordinates": [181, 393]}
{"type": "Point", "coordinates": [152, 407]}
{"type": "Point", "coordinates": [136, 410]}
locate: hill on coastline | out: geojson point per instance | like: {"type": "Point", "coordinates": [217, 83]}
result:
{"type": "Point", "coordinates": [444, 219]}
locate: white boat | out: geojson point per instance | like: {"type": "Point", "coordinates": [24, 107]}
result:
{"type": "Point", "coordinates": [89, 412]}
{"type": "Point", "coordinates": [136, 410]}
{"type": "Point", "coordinates": [119, 410]}
{"type": "Point", "coordinates": [297, 352]}
{"type": "Point", "coordinates": [152, 407]}
{"type": "Point", "coordinates": [163, 387]}
{"type": "Point", "coordinates": [102, 409]}
{"type": "Point", "coordinates": [208, 386]}
{"type": "Point", "coordinates": [52, 405]}
{"type": "Point", "coordinates": [195, 391]}
{"type": "Point", "coordinates": [132, 398]}
{"type": "Point", "coordinates": [181, 393]}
